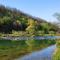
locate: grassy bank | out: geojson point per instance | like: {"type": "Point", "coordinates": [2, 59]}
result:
{"type": "Point", "coordinates": [24, 34]}
{"type": "Point", "coordinates": [13, 49]}
{"type": "Point", "coordinates": [57, 52]}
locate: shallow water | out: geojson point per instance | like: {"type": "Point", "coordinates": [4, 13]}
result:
{"type": "Point", "coordinates": [29, 38]}
{"type": "Point", "coordinates": [45, 54]}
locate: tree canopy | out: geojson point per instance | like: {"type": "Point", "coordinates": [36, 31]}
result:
{"type": "Point", "coordinates": [13, 19]}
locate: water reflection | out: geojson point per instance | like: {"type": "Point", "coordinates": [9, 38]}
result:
{"type": "Point", "coordinates": [45, 54]}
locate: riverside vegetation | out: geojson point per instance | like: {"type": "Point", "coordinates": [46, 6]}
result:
{"type": "Point", "coordinates": [56, 55]}
{"type": "Point", "coordinates": [16, 23]}
{"type": "Point", "coordinates": [11, 49]}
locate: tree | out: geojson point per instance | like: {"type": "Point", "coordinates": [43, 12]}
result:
{"type": "Point", "coordinates": [57, 15]}
{"type": "Point", "coordinates": [31, 29]}
{"type": "Point", "coordinates": [6, 24]}
{"type": "Point", "coordinates": [45, 27]}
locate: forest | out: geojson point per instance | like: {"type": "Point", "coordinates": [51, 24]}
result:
{"type": "Point", "coordinates": [14, 21]}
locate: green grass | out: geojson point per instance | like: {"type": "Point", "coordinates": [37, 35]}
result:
{"type": "Point", "coordinates": [56, 55]}
{"type": "Point", "coordinates": [13, 49]}
{"type": "Point", "coordinates": [22, 33]}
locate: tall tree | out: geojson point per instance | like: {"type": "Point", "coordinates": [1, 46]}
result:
{"type": "Point", "coordinates": [31, 27]}
{"type": "Point", "coordinates": [57, 15]}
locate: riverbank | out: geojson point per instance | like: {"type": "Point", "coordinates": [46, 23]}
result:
{"type": "Point", "coordinates": [57, 51]}
{"type": "Point", "coordinates": [10, 49]}
{"type": "Point", "coordinates": [25, 34]}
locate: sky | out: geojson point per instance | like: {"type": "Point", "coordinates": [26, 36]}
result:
{"type": "Point", "coordinates": [40, 8]}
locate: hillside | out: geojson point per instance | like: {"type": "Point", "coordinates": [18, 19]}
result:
{"type": "Point", "coordinates": [13, 20]}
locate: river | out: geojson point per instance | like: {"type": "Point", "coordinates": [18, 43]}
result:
{"type": "Point", "coordinates": [29, 38]}
{"type": "Point", "coordinates": [45, 54]}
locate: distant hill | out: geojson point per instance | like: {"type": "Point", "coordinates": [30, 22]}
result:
{"type": "Point", "coordinates": [13, 19]}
